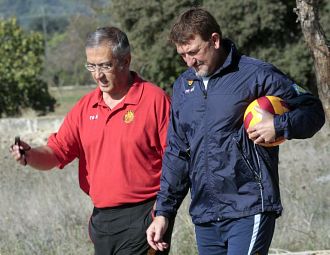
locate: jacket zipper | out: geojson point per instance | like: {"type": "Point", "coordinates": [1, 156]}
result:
{"type": "Point", "coordinates": [257, 176]}
{"type": "Point", "coordinates": [205, 94]}
{"type": "Point", "coordinates": [203, 89]}
{"type": "Point", "coordinates": [206, 138]}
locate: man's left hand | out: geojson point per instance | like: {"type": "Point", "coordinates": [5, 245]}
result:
{"type": "Point", "coordinates": [264, 131]}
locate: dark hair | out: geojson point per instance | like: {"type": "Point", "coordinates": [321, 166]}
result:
{"type": "Point", "coordinates": [194, 21]}
{"type": "Point", "coordinates": [111, 36]}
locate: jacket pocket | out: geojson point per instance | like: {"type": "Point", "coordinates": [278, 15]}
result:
{"type": "Point", "coordinates": [254, 168]}
{"type": "Point", "coordinates": [245, 159]}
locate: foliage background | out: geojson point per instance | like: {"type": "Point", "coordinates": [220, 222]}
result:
{"type": "Point", "coordinates": [46, 213]}
{"type": "Point", "coordinates": [265, 29]}
{"type": "Point", "coordinates": [20, 66]}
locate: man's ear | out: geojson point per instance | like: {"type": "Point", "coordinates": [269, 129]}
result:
{"type": "Point", "coordinates": [215, 40]}
{"type": "Point", "coordinates": [127, 60]}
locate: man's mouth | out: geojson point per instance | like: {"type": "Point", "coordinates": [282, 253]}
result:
{"type": "Point", "coordinates": [198, 65]}
{"type": "Point", "coordinates": [103, 82]}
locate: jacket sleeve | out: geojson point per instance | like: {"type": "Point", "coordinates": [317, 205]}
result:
{"type": "Point", "coordinates": [174, 182]}
{"type": "Point", "coordinates": [306, 115]}
{"type": "Point", "coordinates": [303, 121]}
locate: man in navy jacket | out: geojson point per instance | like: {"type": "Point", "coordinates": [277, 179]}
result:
{"type": "Point", "coordinates": [233, 180]}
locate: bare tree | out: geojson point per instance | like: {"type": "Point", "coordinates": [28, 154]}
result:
{"type": "Point", "coordinates": [307, 11]}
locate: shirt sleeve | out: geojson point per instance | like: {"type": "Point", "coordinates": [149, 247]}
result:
{"type": "Point", "coordinates": [174, 183]}
{"type": "Point", "coordinates": [65, 143]}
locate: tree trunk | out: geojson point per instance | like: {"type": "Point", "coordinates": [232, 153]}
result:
{"type": "Point", "coordinates": [307, 11]}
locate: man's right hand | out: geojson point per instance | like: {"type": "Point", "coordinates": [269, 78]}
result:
{"type": "Point", "coordinates": [18, 150]}
{"type": "Point", "coordinates": [155, 233]}
{"type": "Point", "coordinates": [41, 158]}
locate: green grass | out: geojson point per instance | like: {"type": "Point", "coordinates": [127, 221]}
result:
{"type": "Point", "coordinates": [66, 97]}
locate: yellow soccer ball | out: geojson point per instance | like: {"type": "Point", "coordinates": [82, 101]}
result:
{"type": "Point", "coordinates": [272, 104]}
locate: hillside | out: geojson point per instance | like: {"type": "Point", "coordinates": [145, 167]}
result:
{"type": "Point", "coordinates": [49, 15]}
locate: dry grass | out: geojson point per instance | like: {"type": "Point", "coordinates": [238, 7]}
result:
{"type": "Point", "coordinates": [304, 181]}
{"type": "Point", "coordinates": [42, 213]}
{"type": "Point", "coordinates": [304, 227]}
{"type": "Point", "coordinates": [283, 252]}
{"type": "Point", "coordinates": [47, 213]}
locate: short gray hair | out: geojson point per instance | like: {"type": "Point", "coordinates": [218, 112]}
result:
{"type": "Point", "coordinates": [113, 37]}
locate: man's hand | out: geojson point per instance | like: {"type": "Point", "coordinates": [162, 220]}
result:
{"type": "Point", "coordinates": [264, 131]}
{"type": "Point", "coordinates": [18, 151]}
{"type": "Point", "coordinates": [41, 158]}
{"type": "Point", "coordinates": [155, 233]}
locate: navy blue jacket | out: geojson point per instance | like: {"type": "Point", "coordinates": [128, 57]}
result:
{"type": "Point", "coordinates": [209, 151]}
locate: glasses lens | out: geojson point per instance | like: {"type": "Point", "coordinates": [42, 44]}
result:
{"type": "Point", "coordinates": [90, 68]}
{"type": "Point", "coordinates": [102, 68]}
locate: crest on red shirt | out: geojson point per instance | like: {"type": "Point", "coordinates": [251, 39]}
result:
{"type": "Point", "coordinates": [129, 116]}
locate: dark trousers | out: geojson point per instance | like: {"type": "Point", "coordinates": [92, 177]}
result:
{"type": "Point", "coordinates": [122, 230]}
{"type": "Point", "coordinates": [247, 235]}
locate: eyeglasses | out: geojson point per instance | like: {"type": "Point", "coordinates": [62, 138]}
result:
{"type": "Point", "coordinates": [104, 68]}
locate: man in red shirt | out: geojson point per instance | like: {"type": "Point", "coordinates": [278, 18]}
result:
{"type": "Point", "coordinates": [118, 133]}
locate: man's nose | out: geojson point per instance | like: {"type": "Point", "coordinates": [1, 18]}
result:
{"type": "Point", "coordinates": [98, 73]}
{"type": "Point", "coordinates": [190, 61]}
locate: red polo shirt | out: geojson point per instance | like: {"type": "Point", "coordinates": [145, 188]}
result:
{"type": "Point", "coordinates": [120, 149]}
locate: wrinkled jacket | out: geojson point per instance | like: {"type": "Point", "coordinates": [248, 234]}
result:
{"type": "Point", "coordinates": [209, 151]}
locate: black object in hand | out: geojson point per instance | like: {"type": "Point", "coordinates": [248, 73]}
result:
{"type": "Point", "coordinates": [18, 142]}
